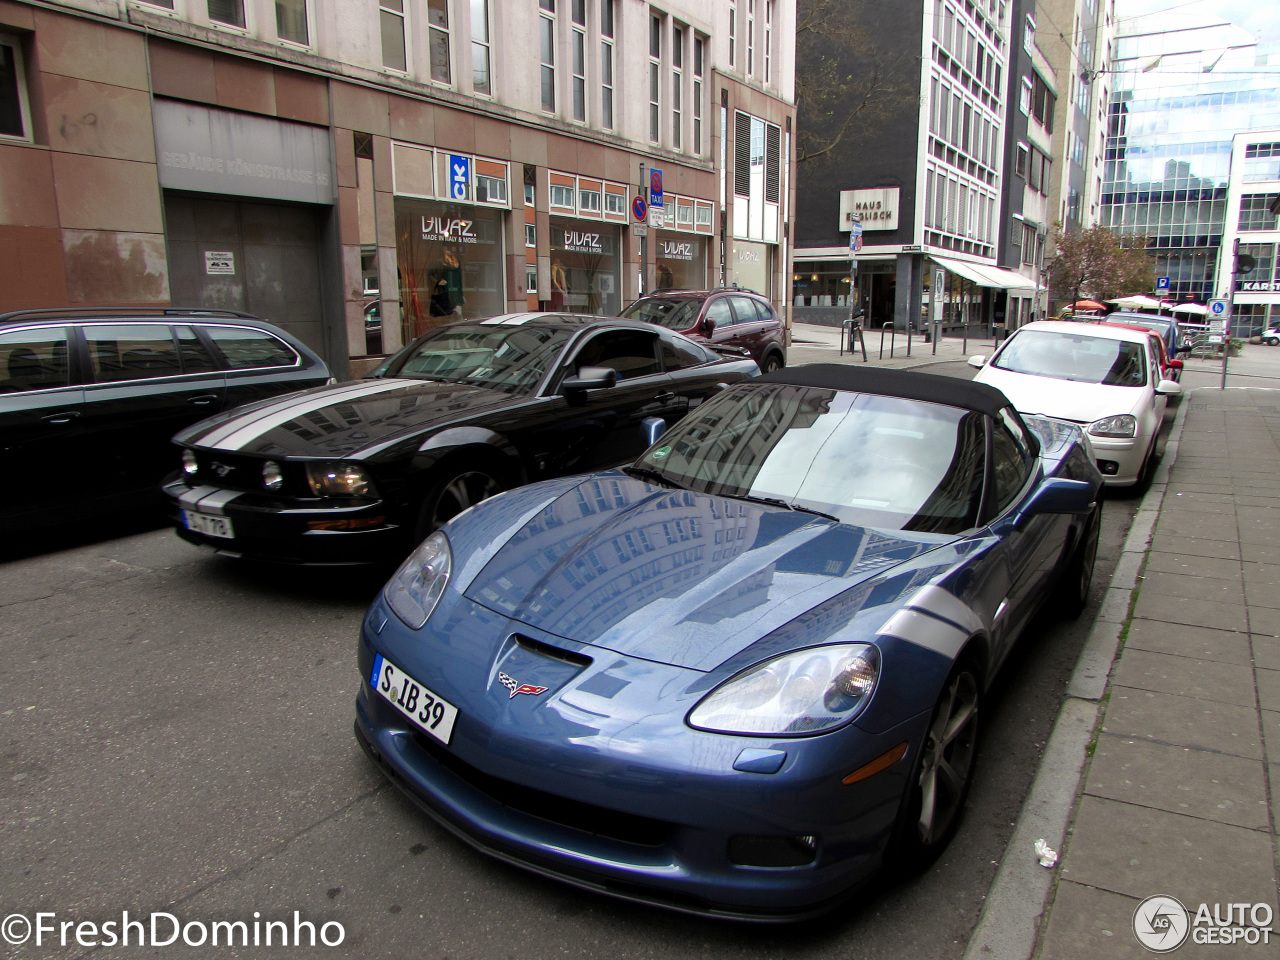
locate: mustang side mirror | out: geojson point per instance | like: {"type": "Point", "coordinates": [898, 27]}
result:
{"type": "Point", "coordinates": [591, 378]}
{"type": "Point", "coordinates": [652, 429]}
{"type": "Point", "coordinates": [1059, 495]}
{"type": "Point", "coordinates": [978, 361]}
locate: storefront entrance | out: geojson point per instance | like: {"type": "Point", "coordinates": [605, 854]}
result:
{"type": "Point", "coordinates": [585, 267]}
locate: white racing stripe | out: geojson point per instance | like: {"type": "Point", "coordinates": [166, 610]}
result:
{"type": "Point", "coordinates": [234, 434]}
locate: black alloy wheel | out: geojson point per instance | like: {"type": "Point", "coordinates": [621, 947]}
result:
{"type": "Point", "coordinates": [1077, 578]}
{"type": "Point", "coordinates": [943, 772]}
{"type": "Point", "coordinates": [458, 489]}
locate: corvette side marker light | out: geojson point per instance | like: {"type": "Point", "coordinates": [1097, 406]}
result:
{"type": "Point", "coordinates": [882, 762]}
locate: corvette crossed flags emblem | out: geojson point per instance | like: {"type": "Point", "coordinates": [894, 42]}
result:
{"type": "Point", "coordinates": [515, 687]}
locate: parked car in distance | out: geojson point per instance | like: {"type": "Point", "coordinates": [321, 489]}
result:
{"type": "Point", "coordinates": [1104, 377]}
{"type": "Point", "coordinates": [736, 676]}
{"type": "Point", "coordinates": [361, 472]}
{"type": "Point", "coordinates": [724, 317]}
{"type": "Point", "coordinates": [1271, 337]}
{"type": "Point", "coordinates": [89, 399]}
{"type": "Point", "coordinates": [1169, 329]}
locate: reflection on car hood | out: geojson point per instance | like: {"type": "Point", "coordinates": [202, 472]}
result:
{"type": "Point", "coordinates": [1064, 399]}
{"type": "Point", "coordinates": [674, 576]}
{"type": "Point", "coordinates": [341, 420]}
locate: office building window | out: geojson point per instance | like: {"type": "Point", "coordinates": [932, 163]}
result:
{"type": "Point", "coordinates": [1255, 212]}
{"type": "Point", "coordinates": [733, 32]}
{"type": "Point", "coordinates": [230, 12]}
{"type": "Point", "coordinates": [579, 52]}
{"type": "Point", "coordinates": [698, 44]}
{"type": "Point", "coordinates": [530, 235]}
{"type": "Point", "coordinates": [677, 87]}
{"type": "Point", "coordinates": [291, 20]}
{"type": "Point", "coordinates": [15, 109]}
{"type": "Point", "coordinates": [547, 47]}
{"type": "Point", "coordinates": [1021, 156]}
{"type": "Point", "coordinates": [751, 37]}
{"type": "Point", "coordinates": [655, 76]}
{"type": "Point", "coordinates": [768, 41]}
{"type": "Point", "coordinates": [606, 64]}
{"type": "Point", "coordinates": [438, 39]}
{"type": "Point", "coordinates": [391, 20]}
{"type": "Point", "coordinates": [481, 81]}
{"type": "Point", "coordinates": [1024, 96]}
{"type": "Point", "coordinates": [1029, 34]}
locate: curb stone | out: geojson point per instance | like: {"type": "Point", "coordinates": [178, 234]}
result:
{"type": "Point", "coordinates": [1010, 922]}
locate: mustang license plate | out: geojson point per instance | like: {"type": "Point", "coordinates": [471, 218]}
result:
{"type": "Point", "coordinates": [429, 711]}
{"type": "Point", "coordinates": [208, 524]}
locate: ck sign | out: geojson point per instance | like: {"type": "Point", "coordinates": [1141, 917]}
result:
{"type": "Point", "coordinates": [459, 176]}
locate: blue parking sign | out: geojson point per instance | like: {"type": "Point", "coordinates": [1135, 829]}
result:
{"type": "Point", "coordinates": [1162, 283]}
{"type": "Point", "coordinates": [459, 176]}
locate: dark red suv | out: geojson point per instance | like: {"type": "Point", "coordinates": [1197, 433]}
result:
{"type": "Point", "coordinates": [728, 317]}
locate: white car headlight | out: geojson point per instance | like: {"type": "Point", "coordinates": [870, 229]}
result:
{"type": "Point", "coordinates": [808, 691]}
{"type": "Point", "coordinates": [416, 588]}
{"type": "Point", "coordinates": [1124, 425]}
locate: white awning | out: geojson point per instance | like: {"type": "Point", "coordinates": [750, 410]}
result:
{"type": "Point", "coordinates": [986, 276]}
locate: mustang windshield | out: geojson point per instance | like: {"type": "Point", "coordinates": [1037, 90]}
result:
{"type": "Point", "coordinates": [678, 313]}
{"type": "Point", "coordinates": [865, 459]}
{"type": "Point", "coordinates": [1071, 356]}
{"type": "Point", "coordinates": [512, 359]}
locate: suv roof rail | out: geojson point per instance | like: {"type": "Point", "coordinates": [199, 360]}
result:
{"type": "Point", "coordinates": [83, 313]}
{"type": "Point", "coordinates": [733, 289]}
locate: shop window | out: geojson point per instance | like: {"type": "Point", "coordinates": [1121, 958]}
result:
{"type": "Point", "coordinates": [391, 21]}
{"type": "Point", "coordinates": [15, 110]}
{"type": "Point", "coordinates": [562, 195]}
{"type": "Point", "coordinates": [230, 12]}
{"type": "Point", "coordinates": [481, 82]}
{"type": "Point", "coordinates": [291, 21]}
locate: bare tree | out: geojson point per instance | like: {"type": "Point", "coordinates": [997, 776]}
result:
{"type": "Point", "coordinates": [845, 83]}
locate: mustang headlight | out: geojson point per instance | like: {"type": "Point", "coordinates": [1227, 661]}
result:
{"type": "Point", "coordinates": [803, 692]}
{"type": "Point", "coordinates": [416, 588]}
{"type": "Point", "coordinates": [1120, 427]}
{"type": "Point", "coordinates": [339, 480]}
{"type": "Point", "coordinates": [189, 465]}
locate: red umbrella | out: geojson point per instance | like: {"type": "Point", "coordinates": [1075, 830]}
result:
{"type": "Point", "coordinates": [1087, 305]}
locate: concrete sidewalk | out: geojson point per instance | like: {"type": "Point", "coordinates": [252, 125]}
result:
{"type": "Point", "coordinates": [1166, 759]}
{"type": "Point", "coordinates": [811, 343]}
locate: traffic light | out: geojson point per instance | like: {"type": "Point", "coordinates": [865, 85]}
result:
{"type": "Point", "coordinates": [1245, 263]}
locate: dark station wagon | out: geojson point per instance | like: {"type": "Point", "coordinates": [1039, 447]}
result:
{"type": "Point", "coordinates": [90, 399]}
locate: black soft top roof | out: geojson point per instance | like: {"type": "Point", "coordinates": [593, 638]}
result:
{"type": "Point", "coordinates": [929, 387]}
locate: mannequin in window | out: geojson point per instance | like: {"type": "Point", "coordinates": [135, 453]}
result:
{"type": "Point", "coordinates": [559, 285]}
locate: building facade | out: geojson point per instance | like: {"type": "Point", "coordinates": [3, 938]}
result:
{"type": "Point", "coordinates": [304, 160]}
{"type": "Point", "coordinates": [1253, 202]}
{"type": "Point", "coordinates": [929, 193]}
{"type": "Point", "coordinates": [1182, 89]}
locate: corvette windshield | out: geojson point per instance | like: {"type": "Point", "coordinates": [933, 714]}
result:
{"type": "Point", "coordinates": [512, 359]}
{"type": "Point", "coordinates": [862, 458]}
{"type": "Point", "coordinates": [1072, 356]}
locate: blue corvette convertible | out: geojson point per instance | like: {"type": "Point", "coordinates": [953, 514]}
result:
{"type": "Point", "coordinates": [738, 676]}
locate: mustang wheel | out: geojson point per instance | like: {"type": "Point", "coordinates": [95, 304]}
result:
{"type": "Point", "coordinates": [1077, 578]}
{"type": "Point", "coordinates": [454, 492]}
{"type": "Point", "coordinates": [944, 769]}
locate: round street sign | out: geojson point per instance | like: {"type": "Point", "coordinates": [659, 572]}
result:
{"type": "Point", "coordinates": [1219, 308]}
{"type": "Point", "coordinates": [639, 209]}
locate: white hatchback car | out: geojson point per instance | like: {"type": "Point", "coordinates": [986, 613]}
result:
{"type": "Point", "coordinates": [1106, 379]}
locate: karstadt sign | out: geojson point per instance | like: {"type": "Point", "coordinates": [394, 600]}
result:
{"type": "Point", "coordinates": [875, 209]}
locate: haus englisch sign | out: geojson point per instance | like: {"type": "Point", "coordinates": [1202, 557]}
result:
{"type": "Point", "coordinates": [875, 209]}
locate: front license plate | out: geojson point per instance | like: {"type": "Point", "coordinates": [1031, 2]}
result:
{"type": "Point", "coordinates": [208, 524]}
{"type": "Point", "coordinates": [429, 711]}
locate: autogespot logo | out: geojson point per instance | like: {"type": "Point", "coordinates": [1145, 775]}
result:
{"type": "Point", "coordinates": [1161, 924]}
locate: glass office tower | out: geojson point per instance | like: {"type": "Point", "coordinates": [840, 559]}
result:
{"type": "Point", "coordinates": [1180, 93]}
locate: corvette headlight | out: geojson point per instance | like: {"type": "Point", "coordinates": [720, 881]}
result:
{"type": "Point", "coordinates": [1121, 426]}
{"type": "Point", "coordinates": [339, 480]}
{"type": "Point", "coordinates": [416, 588]}
{"type": "Point", "coordinates": [808, 691]}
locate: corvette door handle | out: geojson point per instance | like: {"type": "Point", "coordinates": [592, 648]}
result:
{"type": "Point", "coordinates": [665, 397]}
{"type": "Point", "coordinates": [65, 416]}
{"type": "Point", "coordinates": [203, 400]}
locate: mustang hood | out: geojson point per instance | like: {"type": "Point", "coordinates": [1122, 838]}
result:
{"type": "Point", "coordinates": [674, 576]}
{"type": "Point", "coordinates": [1064, 399]}
{"type": "Point", "coordinates": [340, 420]}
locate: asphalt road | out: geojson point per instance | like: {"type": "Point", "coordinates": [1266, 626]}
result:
{"type": "Point", "coordinates": [175, 735]}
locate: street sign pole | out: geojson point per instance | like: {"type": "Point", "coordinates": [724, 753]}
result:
{"type": "Point", "coordinates": [644, 245]}
{"type": "Point", "coordinates": [1231, 309]}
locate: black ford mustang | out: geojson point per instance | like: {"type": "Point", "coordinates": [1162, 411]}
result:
{"type": "Point", "coordinates": [360, 472]}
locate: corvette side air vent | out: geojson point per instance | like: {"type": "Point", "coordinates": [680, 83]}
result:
{"type": "Point", "coordinates": [552, 652]}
